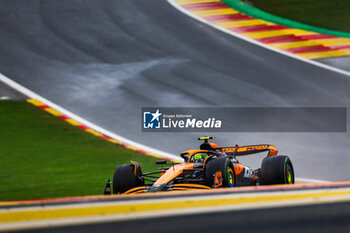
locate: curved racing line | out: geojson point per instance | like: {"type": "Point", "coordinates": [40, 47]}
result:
{"type": "Point", "coordinates": [212, 13]}
{"type": "Point", "coordinates": [80, 122]}
{"type": "Point", "coordinates": [91, 128]}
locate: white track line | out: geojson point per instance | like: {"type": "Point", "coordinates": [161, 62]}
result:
{"type": "Point", "coordinates": [331, 68]}
{"type": "Point", "coordinates": [25, 91]}
{"type": "Point", "coordinates": [307, 180]}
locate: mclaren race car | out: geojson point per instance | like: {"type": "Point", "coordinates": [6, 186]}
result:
{"type": "Point", "coordinates": [209, 167]}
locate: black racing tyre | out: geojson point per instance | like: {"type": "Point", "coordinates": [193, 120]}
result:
{"type": "Point", "coordinates": [276, 170]}
{"type": "Point", "coordinates": [125, 179]}
{"type": "Point", "coordinates": [223, 165]}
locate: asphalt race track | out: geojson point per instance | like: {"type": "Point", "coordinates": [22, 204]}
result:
{"type": "Point", "coordinates": [339, 62]}
{"type": "Point", "coordinates": [104, 60]}
{"type": "Point", "coordinates": [7, 92]}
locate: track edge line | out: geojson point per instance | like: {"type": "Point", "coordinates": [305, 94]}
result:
{"type": "Point", "coordinates": [25, 91]}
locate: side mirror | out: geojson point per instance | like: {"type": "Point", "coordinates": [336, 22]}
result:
{"type": "Point", "coordinates": [185, 156]}
{"type": "Point", "coordinates": [161, 162]}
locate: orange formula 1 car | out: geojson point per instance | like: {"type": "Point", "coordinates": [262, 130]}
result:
{"type": "Point", "coordinates": [209, 167]}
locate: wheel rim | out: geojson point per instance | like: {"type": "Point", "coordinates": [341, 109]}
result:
{"type": "Point", "coordinates": [289, 175]}
{"type": "Point", "coordinates": [230, 177]}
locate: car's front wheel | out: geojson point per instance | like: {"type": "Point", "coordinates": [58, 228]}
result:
{"type": "Point", "coordinates": [220, 173]}
{"type": "Point", "coordinates": [126, 177]}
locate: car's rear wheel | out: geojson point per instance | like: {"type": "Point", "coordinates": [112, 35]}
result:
{"type": "Point", "coordinates": [277, 170]}
{"type": "Point", "coordinates": [124, 178]}
{"type": "Point", "coordinates": [220, 173]}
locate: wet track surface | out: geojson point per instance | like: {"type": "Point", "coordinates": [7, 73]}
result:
{"type": "Point", "coordinates": [339, 62]}
{"type": "Point", "coordinates": [7, 92]}
{"type": "Point", "coordinates": [104, 60]}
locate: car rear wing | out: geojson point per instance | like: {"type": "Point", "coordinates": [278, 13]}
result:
{"type": "Point", "coordinates": [250, 149]}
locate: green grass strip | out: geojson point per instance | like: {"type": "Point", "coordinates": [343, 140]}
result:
{"type": "Point", "coordinates": [41, 156]}
{"type": "Point", "coordinates": [254, 12]}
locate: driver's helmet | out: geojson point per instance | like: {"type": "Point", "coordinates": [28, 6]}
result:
{"type": "Point", "coordinates": [200, 157]}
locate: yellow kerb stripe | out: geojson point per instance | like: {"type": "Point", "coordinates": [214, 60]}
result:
{"type": "Point", "coordinates": [114, 141]}
{"type": "Point", "coordinates": [335, 41]}
{"type": "Point", "coordinates": [214, 12]}
{"type": "Point", "coordinates": [93, 132]}
{"type": "Point", "coordinates": [283, 32]}
{"type": "Point", "coordinates": [72, 122]}
{"type": "Point", "coordinates": [131, 148]}
{"type": "Point", "coordinates": [240, 23]}
{"type": "Point", "coordinates": [120, 208]}
{"type": "Point", "coordinates": [53, 111]}
{"type": "Point", "coordinates": [297, 44]}
{"type": "Point", "coordinates": [35, 102]}
{"type": "Point", "coordinates": [325, 54]}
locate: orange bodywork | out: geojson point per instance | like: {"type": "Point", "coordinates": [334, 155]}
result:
{"type": "Point", "coordinates": [177, 187]}
{"type": "Point", "coordinates": [251, 149]}
{"type": "Point", "coordinates": [134, 166]}
{"type": "Point", "coordinates": [173, 172]}
{"type": "Point", "coordinates": [214, 145]}
{"type": "Point", "coordinates": [177, 169]}
{"type": "Point", "coordinates": [238, 168]}
{"type": "Point", "coordinates": [272, 152]}
{"type": "Point", "coordinates": [218, 180]}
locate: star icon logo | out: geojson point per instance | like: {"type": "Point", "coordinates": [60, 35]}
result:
{"type": "Point", "coordinates": [152, 119]}
{"type": "Point", "coordinates": [156, 115]}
